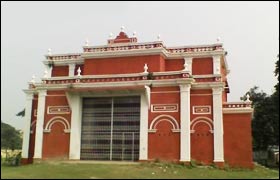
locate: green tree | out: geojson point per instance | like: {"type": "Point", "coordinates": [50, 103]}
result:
{"type": "Point", "coordinates": [265, 123]}
{"type": "Point", "coordinates": [10, 138]}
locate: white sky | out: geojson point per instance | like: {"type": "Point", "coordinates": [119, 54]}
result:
{"type": "Point", "coordinates": [248, 30]}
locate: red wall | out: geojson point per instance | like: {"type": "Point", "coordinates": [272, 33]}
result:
{"type": "Point", "coordinates": [202, 66]}
{"type": "Point", "coordinates": [164, 144]}
{"type": "Point", "coordinates": [56, 143]}
{"type": "Point", "coordinates": [57, 137]}
{"type": "Point", "coordinates": [202, 149]}
{"type": "Point", "coordinates": [123, 65]}
{"type": "Point", "coordinates": [238, 140]}
{"type": "Point", "coordinates": [60, 71]}
{"type": "Point", "coordinates": [174, 64]}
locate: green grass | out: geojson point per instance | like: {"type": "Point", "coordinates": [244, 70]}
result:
{"type": "Point", "coordinates": [61, 170]}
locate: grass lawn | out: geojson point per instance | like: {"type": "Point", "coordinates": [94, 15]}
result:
{"type": "Point", "coordinates": [61, 170]}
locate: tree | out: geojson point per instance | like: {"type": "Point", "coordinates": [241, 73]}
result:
{"type": "Point", "coordinates": [265, 123]}
{"type": "Point", "coordinates": [10, 138]}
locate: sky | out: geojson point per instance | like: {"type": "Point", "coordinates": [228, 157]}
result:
{"type": "Point", "coordinates": [249, 32]}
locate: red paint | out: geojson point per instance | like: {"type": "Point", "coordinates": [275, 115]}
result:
{"type": "Point", "coordinates": [202, 66]}
{"type": "Point", "coordinates": [238, 140]}
{"type": "Point", "coordinates": [60, 71]}
{"type": "Point", "coordinates": [164, 144]}
{"type": "Point", "coordinates": [174, 64]}
{"type": "Point", "coordinates": [202, 149]}
{"type": "Point", "coordinates": [123, 65]}
{"type": "Point", "coordinates": [56, 143]}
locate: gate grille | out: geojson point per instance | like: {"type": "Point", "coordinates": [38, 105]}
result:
{"type": "Point", "coordinates": [110, 128]}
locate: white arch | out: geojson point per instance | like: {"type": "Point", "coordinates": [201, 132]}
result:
{"type": "Point", "coordinates": [161, 118]}
{"type": "Point", "coordinates": [59, 119]}
{"type": "Point", "coordinates": [200, 119]}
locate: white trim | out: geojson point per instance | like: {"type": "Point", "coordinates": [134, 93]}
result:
{"type": "Point", "coordinates": [26, 131]}
{"type": "Point", "coordinates": [205, 120]}
{"type": "Point", "coordinates": [71, 70]}
{"type": "Point", "coordinates": [164, 117]}
{"type": "Point", "coordinates": [185, 139]}
{"type": "Point", "coordinates": [188, 63]}
{"type": "Point", "coordinates": [216, 64]}
{"type": "Point", "coordinates": [159, 111]}
{"type": "Point", "coordinates": [39, 124]}
{"type": "Point", "coordinates": [148, 95]}
{"type": "Point", "coordinates": [193, 108]}
{"type": "Point", "coordinates": [57, 119]}
{"type": "Point", "coordinates": [218, 124]}
{"type": "Point", "coordinates": [49, 107]}
{"type": "Point", "coordinates": [167, 73]}
{"type": "Point", "coordinates": [76, 123]}
{"type": "Point", "coordinates": [237, 110]}
{"type": "Point", "coordinates": [143, 141]}
{"type": "Point", "coordinates": [97, 76]}
{"type": "Point", "coordinates": [159, 92]}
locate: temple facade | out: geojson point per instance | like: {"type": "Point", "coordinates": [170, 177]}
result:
{"type": "Point", "coordinates": [131, 101]}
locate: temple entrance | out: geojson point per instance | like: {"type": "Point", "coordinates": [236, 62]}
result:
{"type": "Point", "coordinates": [110, 128]}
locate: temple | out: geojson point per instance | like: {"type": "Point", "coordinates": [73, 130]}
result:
{"type": "Point", "coordinates": [131, 101]}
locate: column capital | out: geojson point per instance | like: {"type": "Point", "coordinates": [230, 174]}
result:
{"type": "Point", "coordinates": [217, 90]}
{"type": "Point", "coordinates": [185, 87]}
{"type": "Point", "coordinates": [216, 57]}
{"type": "Point", "coordinates": [42, 92]}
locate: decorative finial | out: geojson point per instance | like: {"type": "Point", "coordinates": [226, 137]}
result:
{"type": "Point", "coordinates": [248, 98]}
{"type": "Point", "coordinates": [79, 72]}
{"type": "Point", "coordinates": [146, 68]}
{"type": "Point", "coordinates": [111, 35]}
{"type": "Point", "coordinates": [49, 51]}
{"type": "Point", "coordinates": [33, 79]}
{"type": "Point", "coordinates": [134, 34]}
{"type": "Point", "coordinates": [158, 37]}
{"type": "Point", "coordinates": [218, 39]}
{"type": "Point", "coordinates": [45, 73]}
{"type": "Point", "coordinates": [122, 29]}
{"type": "Point", "coordinates": [87, 42]}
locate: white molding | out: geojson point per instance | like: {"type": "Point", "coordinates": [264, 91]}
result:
{"type": "Point", "coordinates": [188, 63]}
{"type": "Point", "coordinates": [216, 64]}
{"type": "Point", "coordinates": [64, 62]}
{"type": "Point", "coordinates": [144, 115]}
{"type": "Point", "coordinates": [56, 119]}
{"type": "Point", "coordinates": [218, 123]}
{"type": "Point", "coordinates": [148, 95]}
{"type": "Point", "coordinates": [237, 110]}
{"type": "Point", "coordinates": [185, 140]}
{"type": "Point", "coordinates": [27, 124]}
{"type": "Point", "coordinates": [97, 76]}
{"type": "Point", "coordinates": [193, 108]}
{"type": "Point", "coordinates": [48, 109]}
{"type": "Point", "coordinates": [164, 117]}
{"type": "Point", "coordinates": [160, 111]}
{"type": "Point", "coordinates": [167, 73]}
{"type": "Point", "coordinates": [71, 70]}
{"type": "Point", "coordinates": [40, 123]}
{"type": "Point", "coordinates": [76, 123]}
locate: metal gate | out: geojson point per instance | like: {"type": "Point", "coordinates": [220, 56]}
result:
{"type": "Point", "coordinates": [110, 128]}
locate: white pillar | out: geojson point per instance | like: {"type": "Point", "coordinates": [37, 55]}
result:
{"type": "Point", "coordinates": [39, 124]}
{"type": "Point", "coordinates": [76, 123]}
{"type": "Point", "coordinates": [143, 144]}
{"type": "Point", "coordinates": [218, 125]}
{"type": "Point", "coordinates": [216, 64]}
{"type": "Point", "coordinates": [185, 140]}
{"type": "Point", "coordinates": [27, 117]}
{"type": "Point", "coordinates": [49, 69]}
{"type": "Point", "coordinates": [71, 68]}
{"type": "Point", "coordinates": [188, 63]}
